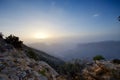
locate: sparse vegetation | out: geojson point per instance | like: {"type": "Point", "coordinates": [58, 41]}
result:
{"type": "Point", "coordinates": [72, 70]}
{"type": "Point", "coordinates": [98, 57]}
{"type": "Point", "coordinates": [13, 40]}
{"type": "Point", "coordinates": [116, 74]}
{"type": "Point", "coordinates": [32, 55]}
{"type": "Point", "coordinates": [42, 72]}
{"type": "Point", "coordinates": [116, 61]}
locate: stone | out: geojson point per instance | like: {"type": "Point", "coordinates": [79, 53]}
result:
{"type": "Point", "coordinates": [14, 77]}
{"type": "Point", "coordinates": [22, 74]}
{"type": "Point", "coordinates": [3, 77]}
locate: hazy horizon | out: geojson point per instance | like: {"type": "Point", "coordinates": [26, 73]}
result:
{"type": "Point", "coordinates": [60, 20]}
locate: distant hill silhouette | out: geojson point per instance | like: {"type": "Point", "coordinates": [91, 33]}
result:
{"type": "Point", "coordinates": [109, 49]}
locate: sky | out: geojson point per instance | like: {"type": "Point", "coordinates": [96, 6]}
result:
{"type": "Point", "coordinates": [35, 20]}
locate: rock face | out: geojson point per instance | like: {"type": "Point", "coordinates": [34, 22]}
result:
{"type": "Point", "coordinates": [102, 70]}
{"type": "Point", "coordinates": [15, 65]}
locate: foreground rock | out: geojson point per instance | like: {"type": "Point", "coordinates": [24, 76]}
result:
{"type": "Point", "coordinates": [15, 65]}
{"type": "Point", "coordinates": [102, 70]}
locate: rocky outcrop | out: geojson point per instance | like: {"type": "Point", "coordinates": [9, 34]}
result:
{"type": "Point", "coordinates": [102, 70]}
{"type": "Point", "coordinates": [16, 65]}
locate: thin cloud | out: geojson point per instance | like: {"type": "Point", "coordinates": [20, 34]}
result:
{"type": "Point", "coordinates": [53, 3]}
{"type": "Point", "coordinates": [96, 15]}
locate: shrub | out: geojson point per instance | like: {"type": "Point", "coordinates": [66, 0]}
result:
{"type": "Point", "coordinates": [116, 61]}
{"type": "Point", "coordinates": [42, 72]}
{"type": "Point", "coordinates": [32, 54]}
{"type": "Point", "coordinates": [98, 57]}
{"type": "Point", "coordinates": [72, 70]}
{"type": "Point", "coordinates": [13, 40]}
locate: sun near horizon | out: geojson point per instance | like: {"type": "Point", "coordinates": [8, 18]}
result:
{"type": "Point", "coordinates": [42, 36]}
{"type": "Point", "coordinates": [65, 20]}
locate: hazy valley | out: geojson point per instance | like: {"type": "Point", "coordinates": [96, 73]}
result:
{"type": "Point", "coordinates": [69, 51]}
{"type": "Point", "coordinates": [20, 62]}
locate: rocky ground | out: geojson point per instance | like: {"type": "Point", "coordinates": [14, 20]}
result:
{"type": "Point", "coordinates": [102, 70]}
{"type": "Point", "coordinates": [16, 65]}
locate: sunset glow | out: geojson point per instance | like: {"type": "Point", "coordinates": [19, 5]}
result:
{"type": "Point", "coordinates": [86, 20]}
{"type": "Point", "coordinates": [41, 36]}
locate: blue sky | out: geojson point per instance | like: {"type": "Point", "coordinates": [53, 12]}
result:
{"type": "Point", "coordinates": [88, 19]}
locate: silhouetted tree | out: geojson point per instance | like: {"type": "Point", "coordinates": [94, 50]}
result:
{"type": "Point", "coordinates": [1, 35]}
{"type": "Point", "coordinates": [13, 40]}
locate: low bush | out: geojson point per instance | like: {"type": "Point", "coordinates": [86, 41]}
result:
{"type": "Point", "coordinates": [116, 61]}
{"type": "Point", "coordinates": [13, 40]}
{"type": "Point", "coordinates": [98, 57]}
{"type": "Point", "coordinates": [32, 54]}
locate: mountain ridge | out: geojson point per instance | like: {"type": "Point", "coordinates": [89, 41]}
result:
{"type": "Point", "coordinates": [109, 49]}
{"type": "Point", "coordinates": [26, 63]}
{"type": "Point", "coordinates": [82, 50]}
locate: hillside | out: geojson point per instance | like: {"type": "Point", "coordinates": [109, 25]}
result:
{"type": "Point", "coordinates": [40, 55]}
{"type": "Point", "coordinates": [19, 62]}
{"type": "Point", "coordinates": [69, 51]}
{"type": "Point", "coordinates": [26, 63]}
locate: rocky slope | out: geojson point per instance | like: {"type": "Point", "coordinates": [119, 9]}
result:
{"type": "Point", "coordinates": [102, 70]}
{"type": "Point", "coordinates": [16, 65]}
{"type": "Point", "coordinates": [31, 64]}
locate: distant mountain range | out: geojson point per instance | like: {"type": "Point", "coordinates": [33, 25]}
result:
{"type": "Point", "coordinates": [109, 49]}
